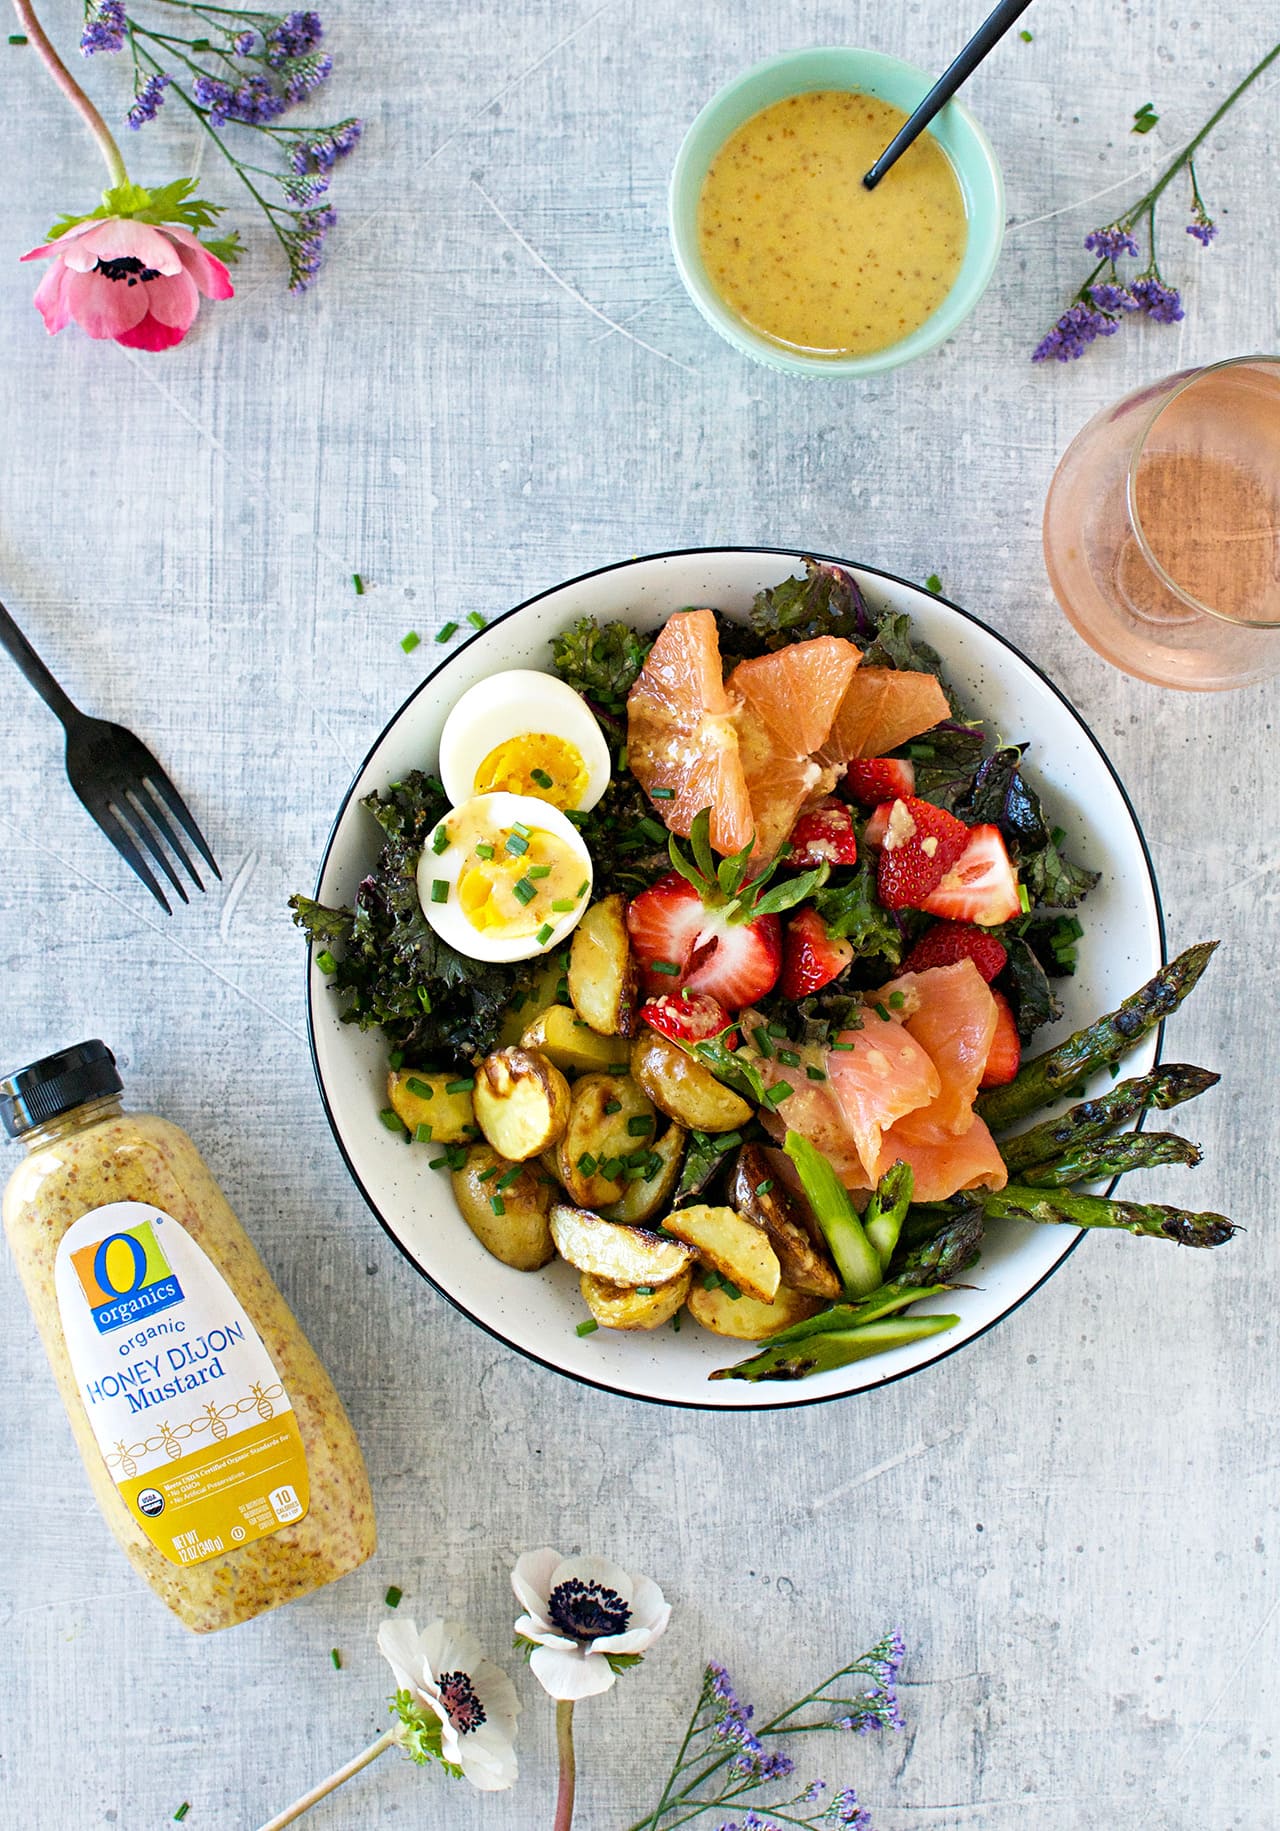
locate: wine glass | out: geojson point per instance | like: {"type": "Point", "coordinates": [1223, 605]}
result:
{"type": "Point", "coordinates": [1162, 528]}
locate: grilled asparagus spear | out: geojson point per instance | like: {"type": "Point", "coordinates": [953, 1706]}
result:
{"type": "Point", "coordinates": [1021, 1202]}
{"type": "Point", "coordinates": [1164, 1087]}
{"type": "Point", "coordinates": [820, 1353]}
{"type": "Point", "coordinates": [1088, 1163]}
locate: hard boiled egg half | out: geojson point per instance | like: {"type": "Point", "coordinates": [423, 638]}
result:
{"type": "Point", "coordinates": [524, 733]}
{"type": "Point", "coordinates": [504, 877]}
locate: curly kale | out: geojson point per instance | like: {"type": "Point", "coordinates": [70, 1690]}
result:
{"type": "Point", "coordinates": [393, 972]}
{"type": "Point", "coordinates": [848, 905]}
{"type": "Point", "coordinates": [1001, 795]}
{"type": "Point", "coordinates": [600, 661]}
{"type": "Point", "coordinates": [825, 602]}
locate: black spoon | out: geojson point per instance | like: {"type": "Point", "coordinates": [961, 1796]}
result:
{"type": "Point", "coordinates": [987, 35]}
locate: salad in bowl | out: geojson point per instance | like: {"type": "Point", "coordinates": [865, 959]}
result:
{"type": "Point", "coordinates": [702, 959]}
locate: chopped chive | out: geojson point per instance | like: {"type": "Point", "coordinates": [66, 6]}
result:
{"type": "Point", "coordinates": [484, 851]}
{"type": "Point", "coordinates": [326, 962]}
{"type": "Point", "coordinates": [508, 1177]}
{"type": "Point", "coordinates": [789, 1058]}
{"type": "Point", "coordinates": [440, 840]}
{"type": "Point", "coordinates": [424, 999]}
{"type": "Point", "coordinates": [1058, 835]}
{"type": "Point", "coordinates": [816, 1074]}
{"type": "Point", "coordinates": [438, 1163]}
{"type": "Point", "coordinates": [842, 1045]}
{"type": "Point", "coordinates": [563, 904]}
{"type": "Point", "coordinates": [635, 1173]}
{"type": "Point", "coordinates": [476, 620]}
{"type": "Point", "coordinates": [587, 1164]}
{"type": "Point", "coordinates": [782, 1090]}
{"type": "Point", "coordinates": [613, 1106]}
{"type": "Point", "coordinates": [358, 582]}
{"type": "Point", "coordinates": [392, 1120]}
{"type": "Point", "coordinates": [410, 641]}
{"type": "Point", "coordinates": [644, 1290]}
{"type": "Point", "coordinates": [669, 967]}
{"type": "Point", "coordinates": [423, 1089]}
{"type": "Point", "coordinates": [710, 1279]}
{"type": "Point", "coordinates": [544, 934]}
{"type": "Point", "coordinates": [394, 1596]}
{"type": "Point", "coordinates": [764, 1187]}
{"type": "Point", "coordinates": [612, 1168]}
{"type": "Point", "coordinates": [517, 846]}
{"type": "Point", "coordinates": [623, 757]}
{"type": "Point", "coordinates": [760, 1038]}
{"type": "Point", "coordinates": [336, 1657]}
{"type": "Point", "coordinates": [1025, 36]}
{"type": "Point", "coordinates": [439, 890]}
{"type": "Point", "coordinates": [933, 583]}
{"type": "Point", "coordinates": [538, 871]}
{"type": "Point", "coordinates": [583, 887]}
{"type": "Point", "coordinates": [185, 1807]}
{"type": "Point", "coordinates": [523, 891]}
{"type": "Point", "coordinates": [1024, 901]}
{"type": "Point", "coordinates": [652, 1164]}
{"type": "Point", "coordinates": [675, 1323]}
{"type": "Point", "coordinates": [541, 777]}
{"type": "Point", "coordinates": [897, 1000]}
{"type": "Point", "coordinates": [422, 1133]}
{"type": "Point", "coordinates": [730, 1290]}
{"type": "Point", "coordinates": [662, 794]}
{"type": "Point", "coordinates": [463, 1086]}
{"type": "Point", "coordinates": [562, 993]}
{"type": "Point", "coordinates": [447, 634]}
{"type": "Point", "coordinates": [486, 1174]}
{"type": "Point", "coordinates": [20, 38]}
{"type": "Point", "coordinates": [619, 1068]}
{"type": "Point", "coordinates": [498, 1205]}
{"type": "Point", "coordinates": [881, 1013]}
{"type": "Point", "coordinates": [588, 1327]}
{"type": "Point", "coordinates": [729, 1141]}
{"type": "Point", "coordinates": [576, 816]}
{"type": "Point", "coordinates": [640, 1126]}
{"type": "Point", "coordinates": [653, 829]}
{"type": "Point", "coordinates": [777, 1029]}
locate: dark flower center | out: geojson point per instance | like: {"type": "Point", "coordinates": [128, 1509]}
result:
{"type": "Point", "coordinates": [587, 1611]}
{"type": "Point", "coordinates": [129, 268]}
{"type": "Point", "coordinates": [458, 1696]}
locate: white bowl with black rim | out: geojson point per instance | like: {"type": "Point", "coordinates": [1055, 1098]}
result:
{"type": "Point", "coordinates": [537, 1313]}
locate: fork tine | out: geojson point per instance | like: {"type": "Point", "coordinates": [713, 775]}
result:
{"type": "Point", "coordinates": [131, 812]}
{"type": "Point", "coordinates": [155, 814]}
{"type": "Point", "coordinates": [118, 834]}
{"type": "Point", "coordinates": [160, 785]}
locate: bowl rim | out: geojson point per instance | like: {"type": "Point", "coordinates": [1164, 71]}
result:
{"type": "Point", "coordinates": [795, 555]}
{"type": "Point", "coordinates": [941, 323]}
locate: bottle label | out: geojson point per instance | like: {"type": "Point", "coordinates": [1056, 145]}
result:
{"type": "Point", "coordinates": [190, 1414]}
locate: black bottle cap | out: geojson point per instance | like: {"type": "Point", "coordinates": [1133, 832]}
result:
{"type": "Point", "coordinates": [55, 1084]}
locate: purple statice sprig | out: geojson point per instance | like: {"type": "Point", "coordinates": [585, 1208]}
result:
{"type": "Point", "coordinates": [241, 69]}
{"type": "Point", "coordinates": [1107, 297]}
{"type": "Point", "coordinates": [725, 1758]}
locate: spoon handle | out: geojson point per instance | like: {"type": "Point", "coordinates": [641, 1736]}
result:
{"type": "Point", "coordinates": [960, 71]}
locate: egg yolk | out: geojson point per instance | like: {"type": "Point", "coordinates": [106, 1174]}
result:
{"type": "Point", "coordinates": [535, 763]}
{"type": "Point", "coordinates": [507, 892]}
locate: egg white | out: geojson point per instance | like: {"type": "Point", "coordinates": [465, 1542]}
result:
{"type": "Point", "coordinates": [514, 704]}
{"type": "Point", "coordinates": [500, 812]}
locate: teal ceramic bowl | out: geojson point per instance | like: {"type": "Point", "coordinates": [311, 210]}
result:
{"type": "Point", "coordinates": [871, 73]}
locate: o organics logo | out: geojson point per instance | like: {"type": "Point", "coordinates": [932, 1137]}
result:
{"type": "Point", "coordinates": [125, 1276]}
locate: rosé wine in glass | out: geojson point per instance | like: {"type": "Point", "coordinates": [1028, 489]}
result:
{"type": "Point", "coordinates": [1162, 528]}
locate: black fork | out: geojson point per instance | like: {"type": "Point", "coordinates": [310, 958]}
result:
{"type": "Point", "coordinates": [118, 781]}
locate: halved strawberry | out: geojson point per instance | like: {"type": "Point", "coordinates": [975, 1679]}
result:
{"type": "Point", "coordinates": [686, 1017]}
{"type": "Point", "coordinates": [877, 825]}
{"type": "Point", "coordinates": [736, 962]}
{"type": "Point", "coordinates": [1004, 1057]}
{"type": "Point", "coordinates": [921, 843]}
{"type": "Point", "coordinates": [872, 780]}
{"type": "Point", "coordinates": [823, 834]}
{"type": "Point", "coordinates": [679, 942]}
{"type": "Point", "coordinates": [947, 942]}
{"type": "Point", "coordinates": [980, 886]}
{"type": "Point", "coordinates": [664, 922]}
{"type": "Point", "coordinates": [811, 958]}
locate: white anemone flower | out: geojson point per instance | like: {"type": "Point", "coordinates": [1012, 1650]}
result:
{"type": "Point", "coordinates": [580, 1611]}
{"type": "Point", "coordinates": [445, 1671]}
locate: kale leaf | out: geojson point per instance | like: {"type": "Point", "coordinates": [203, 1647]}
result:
{"type": "Point", "coordinates": [600, 660]}
{"type": "Point", "coordinates": [1026, 985]}
{"type": "Point", "coordinates": [895, 646]}
{"type": "Point", "coordinates": [1001, 795]}
{"type": "Point", "coordinates": [852, 912]}
{"type": "Point", "coordinates": [825, 602]}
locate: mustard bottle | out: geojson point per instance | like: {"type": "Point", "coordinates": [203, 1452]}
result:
{"type": "Point", "coordinates": [214, 1441]}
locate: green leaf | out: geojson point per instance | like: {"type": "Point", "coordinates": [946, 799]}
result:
{"type": "Point", "coordinates": [600, 660]}
{"type": "Point", "coordinates": [731, 871]}
{"type": "Point", "coordinates": [700, 841]}
{"type": "Point", "coordinates": [933, 583]}
{"type": "Point", "coordinates": [852, 912]}
{"type": "Point", "coordinates": [226, 248]}
{"type": "Point", "coordinates": [171, 203]}
{"type": "Point", "coordinates": [787, 895]}
{"type": "Point", "coordinates": [825, 602]}
{"type": "Point", "coordinates": [623, 1662]}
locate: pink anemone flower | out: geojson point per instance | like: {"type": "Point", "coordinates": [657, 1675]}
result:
{"type": "Point", "coordinates": [127, 280]}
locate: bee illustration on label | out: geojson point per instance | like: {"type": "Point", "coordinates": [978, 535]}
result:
{"type": "Point", "coordinates": [265, 1408]}
{"type": "Point", "coordinates": [127, 1465]}
{"type": "Point", "coordinates": [216, 1424]}
{"type": "Point", "coordinates": [172, 1448]}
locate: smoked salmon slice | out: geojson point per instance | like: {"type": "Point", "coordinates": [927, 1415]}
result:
{"type": "Point", "coordinates": [880, 1076]}
{"type": "Point", "coordinates": [950, 1012]}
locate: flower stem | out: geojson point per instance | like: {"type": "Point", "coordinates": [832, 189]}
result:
{"type": "Point", "coordinates": [73, 92]}
{"type": "Point", "coordinates": [1192, 147]}
{"type": "Point", "coordinates": [568, 1769]}
{"type": "Point", "coordinates": [335, 1780]}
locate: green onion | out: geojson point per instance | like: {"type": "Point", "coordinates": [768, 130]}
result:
{"type": "Point", "coordinates": [662, 794]}
{"type": "Point", "coordinates": [653, 829]}
{"type": "Point", "coordinates": [644, 1290]}
{"type": "Point", "coordinates": [422, 1134]}
{"type": "Point", "coordinates": [782, 1090]}
{"type": "Point", "coordinates": [1025, 36]}
{"type": "Point", "coordinates": [538, 871]}
{"type": "Point", "coordinates": [897, 1000]}
{"type": "Point", "coordinates": [20, 38]}
{"type": "Point", "coordinates": [483, 851]}
{"type": "Point", "coordinates": [582, 889]}
{"type": "Point", "coordinates": [498, 1205]}
{"type": "Point", "coordinates": [587, 1164]}
{"type": "Point", "coordinates": [410, 642]}
{"type": "Point", "coordinates": [1024, 901]}
{"type": "Point", "coordinates": [760, 1038]}
{"type": "Point", "coordinates": [336, 1657]}
{"type": "Point", "coordinates": [392, 1120]}
{"type": "Point", "coordinates": [669, 967]}
{"type": "Point", "coordinates": [764, 1187]}
{"type": "Point", "coordinates": [563, 904]}
{"type": "Point", "coordinates": [640, 1126]}
{"type": "Point", "coordinates": [776, 1029]}
{"type": "Point", "coordinates": [424, 999]}
{"type": "Point", "coordinates": [613, 1106]}
{"type": "Point", "coordinates": [842, 1045]}
{"type": "Point", "coordinates": [881, 1013]}
{"type": "Point", "coordinates": [396, 1059]}
{"type": "Point", "coordinates": [576, 816]}
{"type": "Point", "coordinates": [523, 891]}
{"type": "Point", "coordinates": [508, 1177]}
{"type": "Point", "coordinates": [439, 890]}
{"type": "Point", "coordinates": [541, 777]}
{"type": "Point", "coordinates": [588, 1327]}
{"type": "Point", "coordinates": [1057, 836]}
{"type": "Point", "coordinates": [933, 583]}
{"type": "Point", "coordinates": [356, 580]}
{"type": "Point", "coordinates": [710, 1280]}
{"type": "Point", "coordinates": [394, 1597]}
{"type": "Point", "coordinates": [729, 1141]}
{"type": "Point", "coordinates": [517, 846]}
{"type": "Point", "coordinates": [816, 1074]}
{"type": "Point", "coordinates": [525, 832]}
{"type": "Point", "coordinates": [635, 1173]}
{"type": "Point", "coordinates": [326, 962]}
{"type": "Point", "coordinates": [463, 1086]}
{"type": "Point", "coordinates": [789, 1058]}
{"type": "Point", "coordinates": [612, 1168]}
{"type": "Point", "coordinates": [423, 1089]}
{"type": "Point", "coordinates": [185, 1807]}
{"type": "Point", "coordinates": [486, 1174]}
{"type": "Point", "coordinates": [447, 634]}
{"type": "Point", "coordinates": [619, 1068]}
{"type": "Point", "coordinates": [730, 1290]}
{"type": "Point", "coordinates": [476, 620]}
{"type": "Point", "coordinates": [544, 934]}
{"type": "Point", "coordinates": [438, 1163]}
{"type": "Point", "coordinates": [675, 1323]}
{"type": "Point", "coordinates": [440, 840]}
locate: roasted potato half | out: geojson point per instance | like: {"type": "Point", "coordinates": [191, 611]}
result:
{"type": "Point", "coordinates": [591, 1154]}
{"type": "Point", "coordinates": [642, 1199]}
{"type": "Point", "coordinates": [765, 1199]}
{"type": "Point", "coordinates": [683, 1089]}
{"type": "Point", "coordinates": [573, 1045]}
{"type": "Point", "coordinates": [510, 1220]}
{"type": "Point", "coordinates": [420, 1098]}
{"type": "Point", "coordinates": [620, 1255]}
{"type": "Point", "coordinates": [744, 1318]}
{"type": "Point", "coordinates": [521, 1102]}
{"type": "Point", "coordinates": [602, 974]}
{"type": "Point", "coordinates": [735, 1247]}
{"type": "Point", "coordinates": [619, 1306]}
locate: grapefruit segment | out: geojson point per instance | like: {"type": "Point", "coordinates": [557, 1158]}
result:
{"type": "Point", "coordinates": [788, 701]}
{"type": "Point", "coordinates": [883, 708]}
{"type": "Point", "coordinates": [682, 745]}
